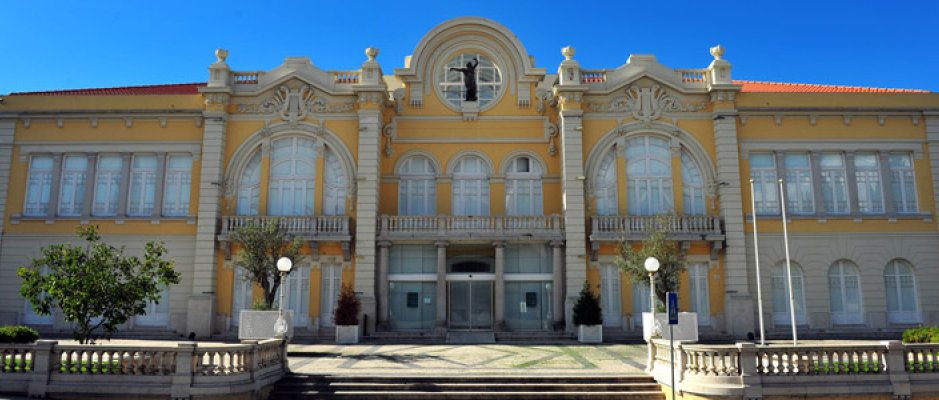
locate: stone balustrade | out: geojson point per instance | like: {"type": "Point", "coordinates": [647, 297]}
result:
{"type": "Point", "coordinates": [695, 78]}
{"type": "Point", "coordinates": [326, 227]}
{"type": "Point", "coordinates": [453, 227]}
{"type": "Point", "coordinates": [346, 77]}
{"type": "Point", "coordinates": [181, 372]}
{"type": "Point", "coordinates": [889, 369]}
{"type": "Point", "coordinates": [637, 227]}
{"type": "Point", "coordinates": [588, 76]}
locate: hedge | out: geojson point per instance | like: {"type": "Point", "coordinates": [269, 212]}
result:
{"type": "Point", "coordinates": [921, 334]}
{"type": "Point", "coordinates": [18, 334]}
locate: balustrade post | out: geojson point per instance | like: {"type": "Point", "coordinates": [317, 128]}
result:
{"type": "Point", "coordinates": [749, 371]}
{"type": "Point", "coordinates": [253, 359]}
{"type": "Point", "coordinates": [182, 380]}
{"type": "Point", "coordinates": [896, 369]}
{"type": "Point", "coordinates": [43, 363]}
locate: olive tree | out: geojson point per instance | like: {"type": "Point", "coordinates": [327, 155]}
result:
{"type": "Point", "coordinates": [262, 244]}
{"type": "Point", "coordinates": [631, 257]}
{"type": "Point", "coordinates": [95, 285]}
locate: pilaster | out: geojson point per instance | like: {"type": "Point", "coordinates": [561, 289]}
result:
{"type": "Point", "coordinates": [7, 130]}
{"type": "Point", "coordinates": [88, 202]}
{"type": "Point", "coordinates": [500, 285]}
{"type": "Point", "coordinates": [56, 185]}
{"type": "Point", "coordinates": [738, 303]}
{"type": "Point", "coordinates": [126, 160]}
{"type": "Point", "coordinates": [851, 182]}
{"type": "Point", "coordinates": [557, 281]}
{"type": "Point", "coordinates": [890, 207]}
{"type": "Point", "coordinates": [441, 318]}
{"type": "Point", "coordinates": [932, 139]}
{"type": "Point", "coordinates": [158, 188]}
{"type": "Point", "coordinates": [384, 263]}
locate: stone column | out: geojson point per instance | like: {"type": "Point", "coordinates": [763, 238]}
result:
{"type": "Point", "coordinates": [890, 208]}
{"type": "Point", "coordinates": [739, 307]}
{"type": "Point", "coordinates": [384, 264]}
{"type": "Point", "coordinates": [441, 285]}
{"type": "Point", "coordinates": [367, 210]}
{"type": "Point", "coordinates": [56, 184]}
{"type": "Point", "coordinates": [851, 182]}
{"type": "Point", "coordinates": [499, 305]}
{"type": "Point", "coordinates": [158, 188]}
{"type": "Point", "coordinates": [90, 181]}
{"type": "Point", "coordinates": [932, 138]}
{"type": "Point", "coordinates": [557, 285]}
{"type": "Point", "coordinates": [7, 129]}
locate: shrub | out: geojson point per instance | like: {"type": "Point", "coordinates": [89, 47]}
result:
{"type": "Point", "coordinates": [18, 334]}
{"type": "Point", "coordinates": [921, 334]}
{"type": "Point", "coordinates": [587, 308]}
{"type": "Point", "coordinates": [348, 307]}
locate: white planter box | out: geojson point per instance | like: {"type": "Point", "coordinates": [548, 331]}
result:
{"type": "Point", "coordinates": [686, 330]}
{"type": "Point", "coordinates": [347, 334]}
{"type": "Point", "coordinates": [590, 333]}
{"type": "Point", "coordinates": [259, 325]}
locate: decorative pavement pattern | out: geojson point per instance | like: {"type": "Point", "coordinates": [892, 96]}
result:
{"type": "Point", "coordinates": [479, 359]}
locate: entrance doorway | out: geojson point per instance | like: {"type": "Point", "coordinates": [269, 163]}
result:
{"type": "Point", "coordinates": [329, 292]}
{"type": "Point", "coordinates": [470, 304]}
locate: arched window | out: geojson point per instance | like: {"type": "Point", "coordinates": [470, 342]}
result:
{"type": "Point", "coordinates": [781, 294]}
{"type": "Point", "coordinates": [523, 192]}
{"type": "Point", "coordinates": [471, 187]}
{"type": "Point", "coordinates": [488, 79]}
{"type": "Point", "coordinates": [417, 194]}
{"type": "Point", "coordinates": [649, 176]}
{"type": "Point", "coordinates": [249, 187]}
{"type": "Point", "coordinates": [844, 285]}
{"type": "Point", "coordinates": [334, 193]}
{"type": "Point", "coordinates": [604, 188]}
{"type": "Point", "coordinates": [292, 177]}
{"type": "Point", "coordinates": [692, 186]}
{"type": "Point", "coordinates": [900, 284]}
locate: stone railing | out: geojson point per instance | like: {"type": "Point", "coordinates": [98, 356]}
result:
{"type": "Point", "coordinates": [448, 227]}
{"type": "Point", "coordinates": [245, 78]}
{"type": "Point", "coordinates": [693, 77]}
{"type": "Point", "coordinates": [887, 368]}
{"type": "Point", "coordinates": [632, 227]}
{"type": "Point", "coordinates": [325, 227]}
{"type": "Point", "coordinates": [588, 76]}
{"type": "Point", "coordinates": [181, 372]}
{"type": "Point", "coordinates": [346, 77]}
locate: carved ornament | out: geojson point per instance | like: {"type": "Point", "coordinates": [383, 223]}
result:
{"type": "Point", "coordinates": [293, 104]}
{"type": "Point", "coordinates": [646, 104]}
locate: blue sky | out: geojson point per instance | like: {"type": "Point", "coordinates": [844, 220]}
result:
{"type": "Point", "coordinates": [47, 45]}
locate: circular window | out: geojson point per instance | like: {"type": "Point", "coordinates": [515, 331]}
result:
{"type": "Point", "coordinates": [488, 79]}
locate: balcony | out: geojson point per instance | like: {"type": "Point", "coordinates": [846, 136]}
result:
{"type": "Point", "coordinates": [319, 228]}
{"type": "Point", "coordinates": [471, 228]}
{"type": "Point", "coordinates": [635, 227]}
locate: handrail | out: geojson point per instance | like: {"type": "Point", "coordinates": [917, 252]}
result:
{"type": "Point", "coordinates": [475, 226]}
{"type": "Point", "coordinates": [324, 225]}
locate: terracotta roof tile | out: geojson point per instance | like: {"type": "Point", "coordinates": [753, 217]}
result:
{"type": "Point", "coordinates": [176, 88]}
{"type": "Point", "coordinates": [760, 86]}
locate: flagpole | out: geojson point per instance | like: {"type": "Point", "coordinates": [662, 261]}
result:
{"type": "Point", "coordinates": [792, 308]}
{"type": "Point", "coordinates": [756, 256]}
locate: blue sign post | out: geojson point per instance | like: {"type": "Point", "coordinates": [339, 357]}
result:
{"type": "Point", "coordinates": [672, 305]}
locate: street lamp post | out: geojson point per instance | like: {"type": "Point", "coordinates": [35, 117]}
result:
{"type": "Point", "coordinates": [280, 327]}
{"type": "Point", "coordinates": [652, 266]}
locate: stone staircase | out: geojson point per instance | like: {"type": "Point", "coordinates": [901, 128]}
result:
{"type": "Point", "coordinates": [299, 386]}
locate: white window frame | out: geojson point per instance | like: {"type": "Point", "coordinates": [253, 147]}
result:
{"type": "Point", "coordinates": [834, 184]}
{"type": "Point", "coordinates": [417, 186]}
{"type": "Point", "coordinates": [692, 186]}
{"type": "Point", "coordinates": [249, 190]}
{"type": "Point", "coordinates": [297, 286]}
{"type": "Point", "coordinates": [841, 273]}
{"type": "Point", "coordinates": [335, 181]}
{"type": "Point", "coordinates": [865, 179]}
{"type": "Point", "coordinates": [72, 187]}
{"type": "Point", "coordinates": [142, 205]}
{"type": "Point", "coordinates": [894, 276]}
{"type": "Point", "coordinates": [295, 190]}
{"type": "Point", "coordinates": [179, 178]}
{"type": "Point", "coordinates": [699, 290]}
{"type": "Point", "coordinates": [767, 201]}
{"type": "Point", "coordinates": [471, 188]}
{"type": "Point", "coordinates": [800, 196]}
{"type": "Point", "coordinates": [647, 182]}
{"type": "Point", "coordinates": [605, 186]}
{"type": "Point", "coordinates": [524, 187]}
{"type": "Point", "coordinates": [611, 297]}
{"type": "Point", "coordinates": [903, 185]}
{"type": "Point", "coordinates": [110, 180]}
{"type": "Point", "coordinates": [451, 82]}
{"type": "Point", "coordinates": [780, 287]}
{"type": "Point", "coordinates": [38, 187]}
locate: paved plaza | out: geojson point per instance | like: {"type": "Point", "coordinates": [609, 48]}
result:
{"type": "Point", "coordinates": [478, 359]}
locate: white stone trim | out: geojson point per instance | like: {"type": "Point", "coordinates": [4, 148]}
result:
{"type": "Point", "coordinates": [451, 163]}
{"type": "Point", "coordinates": [29, 148]}
{"type": "Point", "coordinates": [914, 146]}
{"type": "Point", "coordinates": [416, 152]}
{"type": "Point", "coordinates": [412, 278]}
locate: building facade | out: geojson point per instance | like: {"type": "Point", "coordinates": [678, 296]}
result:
{"type": "Point", "coordinates": [449, 215]}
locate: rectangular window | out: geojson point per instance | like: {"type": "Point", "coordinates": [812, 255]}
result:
{"type": "Point", "coordinates": [903, 184]}
{"type": "Point", "coordinates": [698, 278]}
{"type": "Point", "coordinates": [176, 188]}
{"type": "Point", "coordinates": [38, 186]}
{"type": "Point", "coordinates": [765, 186]}
{"type": "Point", "coordinates": [108, 185]}
{"type": "Point", "coordinates": [142, 186]}
{"type": "Point", "coordinates": [834, 183]}
{"type": "Point", "coordinates": [72, 189]}
{"type": "Point", "coordinates": [413, 259]}
{"type": "Point", "coordinates": [799, 197]}
{"type": "Point", "coordinates": [528, 259]}
{"type": "Point", "coordinates": [870, 195]}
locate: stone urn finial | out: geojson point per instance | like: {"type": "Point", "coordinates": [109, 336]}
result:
{"type": "Point", "coordinates": [568, 52]}
{"type": "Point", "coordinates": [371, 53]}
{"type": "Point", "coordinates": [717, 52]}
{"type": "Point", "coordinates": [221, 54]}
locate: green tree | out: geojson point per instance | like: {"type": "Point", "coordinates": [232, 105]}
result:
{"type": "Point", "coordinates": [262, 244]}
{"type": "Point", "coordinates": [631, 259]}
{"type": "Point", "coordinates": [587, 309]}
{"type": "Point", "coordinates": [96, 286]}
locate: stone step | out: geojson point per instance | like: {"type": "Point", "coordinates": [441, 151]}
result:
{"type": "Point", "coordinates": [366, 395]}
{"type": "Point", "coordinates": [497, 379]}
{"type": "Point", "coordinates": [405, 386]}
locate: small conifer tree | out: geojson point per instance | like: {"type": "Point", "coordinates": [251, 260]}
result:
{"type": "Point", "coordinates": [587, 308]}
{"type": "Point", "coordinates": [348, 307]}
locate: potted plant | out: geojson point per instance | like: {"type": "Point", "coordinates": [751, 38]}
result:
{"type": "Point", "coordinates": [588, 317]}
{"type": "Point", "coordinates": [346, 316]}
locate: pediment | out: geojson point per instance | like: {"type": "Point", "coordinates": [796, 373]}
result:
{"type": "Point", "coordinates": [645, 99]}
{"type": "Point", "coordinates": [292, 99]}
{"type": "Point", "coordinates": [647, 67]}
{"type": "Point", "coordinates": [300, 69]}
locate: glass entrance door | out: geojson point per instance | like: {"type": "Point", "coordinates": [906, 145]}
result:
{"type": "Point", "coordinates": [470, 305]}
